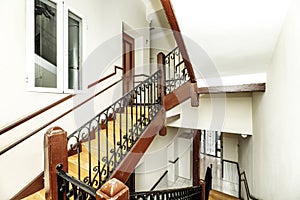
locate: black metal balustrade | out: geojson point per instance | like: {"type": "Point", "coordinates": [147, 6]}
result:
{"type": "Point", "coordinates": [103, 142]}
{"type": "Point", "coordinates": [176, 73]}
{"type": "Point", "coordinates": [178, 194]}
{"type": "Point", "coordinates": [71, 188]}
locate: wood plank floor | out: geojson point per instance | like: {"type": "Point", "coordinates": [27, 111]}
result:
{"type": "Point", "coordinates": [216, 195]}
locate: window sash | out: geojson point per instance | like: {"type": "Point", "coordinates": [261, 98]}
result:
{"type": "Point", "coordinates": [62, 48]}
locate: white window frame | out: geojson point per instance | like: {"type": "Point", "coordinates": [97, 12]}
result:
{"type": "Point", "coordinates": [62, 48]}
{"type": "Point", "coordinates": [83, 42]}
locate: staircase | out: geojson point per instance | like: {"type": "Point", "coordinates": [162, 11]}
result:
{"type": "Point", "coordinates": [86, 157]}
{"type": "Point", "coordinates": [111, 144]}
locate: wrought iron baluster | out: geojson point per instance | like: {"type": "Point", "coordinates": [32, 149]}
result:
{"type": "Point", "coordinates": [107, 147]}
{"type": "Point", "coordinates": [114, 133]}
{"type": "Point", "coordinates": [126, 124]}
{"type": "Point", "coordinates": [144, 100]}
{"type": "Point", "coordinates": [145, 89]}
{"type": "Point", "coordinates": [120, 128]}
{"type": "Point", "coordinates": [90, 155]}
{"type": "Point", "coordinates": [132, 120]}
{"type": "Point", "coordinates": [99, 149]}
{"type": "Point", "coordinates": [78, 159]}
{"type": "Point", "coordinates": [136, 113]}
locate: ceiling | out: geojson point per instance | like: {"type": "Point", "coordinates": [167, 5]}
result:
{"type": "Point", "coordinates": [231, 36]}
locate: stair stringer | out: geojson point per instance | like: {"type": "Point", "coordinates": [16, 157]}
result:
{"type": "Point", "coordinates": [127, 166]}
{"type": "Point", "coordinates": [178, 96]}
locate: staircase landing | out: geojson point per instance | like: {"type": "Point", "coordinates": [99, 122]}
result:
{"type": "Point", "coordinates": [216, 195]}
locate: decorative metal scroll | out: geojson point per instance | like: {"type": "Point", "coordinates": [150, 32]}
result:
{"type": "Point", "coordinates": [71, 188]}
{"type": "Point", "coordinates": [176, 73]}
{"type": "Point", "coordinates": [172, 194]}
{"type": "Point", "coordinates": [102, 143]}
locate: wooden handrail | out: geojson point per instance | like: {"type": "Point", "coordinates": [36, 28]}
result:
{"type": "Point", "coordinates": [35, 114]}
{"type": "Point", "coordinates": [52, 121]}
{"type": "Point", "coordinates": [178, 37]}
{"type": "Point", "coordinates": [140, 75]}
{"type": "Point", "coordinates": [27, 118]}
{"type": "Point", "coordinates": [106, 77]}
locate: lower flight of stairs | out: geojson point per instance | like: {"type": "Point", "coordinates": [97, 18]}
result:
{"type": "Point", "coordinates": [72, 160]}
{"type": "Point", "coordinates": [216, 195]}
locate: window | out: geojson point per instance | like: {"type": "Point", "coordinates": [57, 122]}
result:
{"type": "Point", "coordinates": [55, 46]}
{"type": "Point", "coordinates": [211, 143]}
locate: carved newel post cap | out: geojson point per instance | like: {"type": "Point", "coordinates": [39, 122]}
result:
{"type": "Point", "coordinates": [113, 189]}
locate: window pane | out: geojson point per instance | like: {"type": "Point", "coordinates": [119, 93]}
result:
{"type": "Point", "coordinates": [45, 44]}
{"type": "Point", "coordinates": [74, 49]}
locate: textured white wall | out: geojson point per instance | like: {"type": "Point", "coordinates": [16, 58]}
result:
{"type": "Point", "coordinates": [104, 27]}
{"type": "Point", "coordinates": [275, 141]}
{"type": "Point", "coordinates": [230, 146]}
{"type": "Point", "coordinates": [155, 162]}
{"type": "Point", "coordinates": [226, 113]}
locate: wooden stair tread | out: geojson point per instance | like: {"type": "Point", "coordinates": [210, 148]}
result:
{"type": "Point", "coordinates": [84, 156]}
{"type": "Point", "coordinates": [40, 195]}
{"type": "Point", "coordinates": [217, 195]}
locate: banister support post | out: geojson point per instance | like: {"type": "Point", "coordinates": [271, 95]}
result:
{"type": "Point", "coordinates": [202, 183]}
{"type": "Point", "coordinates": [162, 90]}
{"type": "Point", "coordinates": [196, 157]}
{"type": "Point", "coordinates": [113, 189]}
{"type": "Point", "coordinates": [55, 152]}
{"type": "Point", "coordinates": [194, 95]}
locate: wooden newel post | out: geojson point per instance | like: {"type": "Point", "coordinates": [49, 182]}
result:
{"type": "Point", "coordinates": [55, 152]}
{"type": "Point", "coordinates": [194, 95]}
{"type": "Point", "coordinates": [202, 183]}
{"type": "Point", "coordinates": [162, 91]}
{"type": "Point", "coordinates": [113, 189]}
{"type": "Point", "coordinates": [196, 158]}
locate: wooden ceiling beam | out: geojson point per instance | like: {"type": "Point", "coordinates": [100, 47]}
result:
{"type": "Point", "coordinates": [255, 87]}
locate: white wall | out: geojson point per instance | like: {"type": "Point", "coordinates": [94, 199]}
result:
{"type": "Point", "coordinates": [104, 27]}
{"type": "Point", "coordinates": [227, 113]}
{"type": "Point", "coordinates": [275, 140]}
{"type": "Point", "coordinates": [156, 160]}
{"type": "Point", "coordinates": [230, 146]}
{"type": "Point", "coordinates": [154, 163]}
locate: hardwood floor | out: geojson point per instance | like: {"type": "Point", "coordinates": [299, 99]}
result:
{"type": "Point", "coordinates": [216, 195]}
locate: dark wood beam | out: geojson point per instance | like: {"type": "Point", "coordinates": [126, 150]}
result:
{"type": "Point", "coordinates": [36, 185]}
{"type": "Point", "coordinates": [178, 37]}
{"type": "Point", "coordinates": [173, 118]}
{"type": "Point", "coordinates": [127, 166]}
{"type": "Point", "coordinates": [177, 96]}
{"type": "Point", "coordinates": [196, 158]}
{"type": "Point", "coordinates": [161, 86]}
{"type": "Point", "coordinates": [255, 87]}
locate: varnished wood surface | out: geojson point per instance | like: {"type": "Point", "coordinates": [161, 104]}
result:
{"type": "Point", "coordinates": [84, 155]}
{"type": "Point", "coordinates": [36, 185]}
{"type": "Point", "coordinates": [129, 163]}
{"type": "Point", "coordinates": [216, 195]}
{"type": "Point", "coordinates": [177, 96]}
{"type": "Point", "coordinates": [255, 87]}
{"type": "Point", "coordinates": [105, 78]}
{"type": "Point", "coordinates": [178, 37]}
